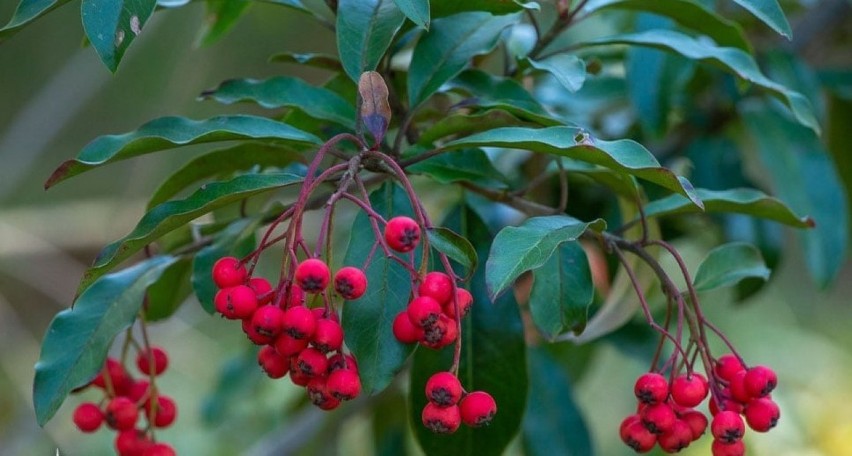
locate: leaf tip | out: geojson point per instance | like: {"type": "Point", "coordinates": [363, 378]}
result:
{"type": "Point", "coordinates": [59, 174]}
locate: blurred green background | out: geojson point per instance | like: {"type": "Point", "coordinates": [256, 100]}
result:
{"type": "Point", "coordinates": [55, 96]}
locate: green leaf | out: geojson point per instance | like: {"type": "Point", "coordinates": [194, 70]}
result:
{"type": "Point", "coordinates": [76, 342]}
{"type": "Point", "coordinates": [111, 25]}
{"type": "Point", "coordinates": [454, 246]}
{"type": "Point", "coordinates": [26, 12]}
{"type": "Point", "coordinates": [732, 59]}
{"type": "Point", "coordinates": [553, 423]}
{"type": "Point", "coordinates": [315, 60]}
{"type": "Point", "coordinates": [368, 321]}
{"type": "Point", "coordinates": [529, 246]}
{"type": "Point", "coordinates": [295, 4]}
{"type": "Point", "coordinates": [447, 48]}
{"type": "Point", "coordinates": [493, 359]}
{"type": "Point", "coordinates": [173, 214]}
{"type": "Point", "coordinates": [365, 29]}
{"type": "Point", "coordinates": [624, 155]}
{"type": "Point", "coordinates": [569, 70]}
{"type": "Point", "coordinates": [466, 165]}
{"type": "Point", "coordinates": [562, 291]}
{"type": "Point", "coordinates": [170, 132]}
{"type": "Point", "coordinates": [170, 291]}
{"type": "Point", "coordinates": [237, 378]}
{"type": "Point", "coordinates": [463, 124]}
{"type": "Point", "coordinates": [416, 10]}
{"type": "Point", "coordinates": [729, 264]}
{"type": "Point", "coordinates": [285, 91]}
{"type": "Point", "coordinates": [443, 8]}
{"type": "Point", "coordinates": [221, 16]}
{"type": "Point", "coordinates": [739, 200]}
{"type": "Point", "coordinates": [221, 162]}
{"type": "Point", "coordinates": [235, 240]}
{"type": "Point", "coordinates": [838, 137]}
{"type": "Point", "coordinates": [688, 13]}
{"type": "Point", "coordinates": [770, 12]}
{"type": "Point", "coordinates": [488, 91]}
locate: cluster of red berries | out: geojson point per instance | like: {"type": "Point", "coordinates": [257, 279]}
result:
{"type": "Point", "coordinates": [124, 399]}
{"type": "Point", "coordinates": [430, 318]}
{"type": "Point", "coordinates": [305, 342]}
{"type": "Point", "coordinates": [666, 415]}
{"type": "Point", "coordinates": [449, 405]}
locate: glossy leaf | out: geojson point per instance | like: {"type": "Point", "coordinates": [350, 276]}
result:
{"type": "Point", "coordinates": [26, 12]}
{"type": "Point", "coordinates": [111, 25]}
{"type": "Point", "coordinates": [770, 12]}
{"type": "Point", "coordinates": [368, 321]}
{"type": "Point", "coordinates": [739, 200]}
{"type": "Point", "coordinates": [464, 124]}
{"type": "Point", "coordinates": [729, 264]}
{"type": "Point", "coordinates": [221, 17]}
{"type": "Point", "coordinates": [285, 91]}
{"type": "Point", "coordinates": [375, 109]}
{"type": "Point", "coordinates": [493, 359]}
{"type": "Point", "coordinates": [442, 8]}
{"type": "Point", "coordinates": [170, 132]}
{"type": "Point", "coordinates": [415, 10]}
{"type": "Point", "coordinates": [562, 291]}
{"type": "Point", "coordinates": [315, 60]}
{"type": "Point", "coordinates": [170, 291]}
{"type": "Point", "coordinates": [625, 156]}
{"type": "Point", "coordinates": [454, 246]}
{"type": "Point", "coordinates": [517, 249]}
{"type": "Point", "coordinates": [173, 214]}
{"type": "Point", "coordinates": [365, 29]}
{"type": "Point", "coordinates": [568, 69]}
{"type": "Point", "coordinates": [732, 59]}
{"type": "Point", "coordinates": [76, 342]}
{"type": "Point", "coordinates": [466, 165]}
{"type": "Point", "coordinates": [447, 48]}
{"type": "Point", "coordinates": [235, 240]}
{"type": "Point", "coordinates": [488, 91]}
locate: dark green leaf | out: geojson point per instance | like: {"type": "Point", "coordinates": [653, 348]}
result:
{"type": "Point", "coordinates": [221, 16]}
{"type": "Point", "coordinates": [463, 124]}
{"type": "Point", "coordinates": [416, 10]}
{"type": "Point", "coordinates": [442, 8]}
{"type": "Point", "coordinates": [365, 29]}
{"type": "Point", "coordinates": [111, 25]}
{"type": "Point", "coordinates": [625, 156]}
{"type": "Point", "coordinates": [466, 165]}
{"type": "Point", "coordinates": [368, 321]}
{"type": "Point", "coordinates": [839, 137]}
{"type": "Point", "coordinates": [562, 291]}
{"type": "Point", "coordinates": [169, 291]}
{"type": "Point", "coordinates": [529, 246]}
{"type": "Point", "coordinates": [568, 69]}
{"type": "Point", "coordinates": [285, 91]}
{"type": "Point", "coordinates": [322, 61]}
{"type": "Point", "coordinates": [295, 4]}
{"type": "Point", "coordinates": [447, 48]}
{"type": "Point", "coordinates": [732, 59]}
{"type": "Point", "coordinates": [740, 200]}
{"type": "Point", "coordinates": [236, 240]}
{"type": "Point", "coordinates": [76, 342]}
{"type": "Point", "coordinates": [493, 359]}
{"type": "Point", "coordinates": [624, 185]}
{"type": "Point", "coordinates": [170, 132]}
{"type": "Point", "coordinates": [454, 246]}
{"type": "Point", "coordinates": [173, 214]}
{"type": "Point", "coordinates": [26, 12]}
{"type": "Point", "coordinates": [489, 91]}
{"type": "Point", "coordinates": [770, 12]}
{"type": "Point", "coordinates": [729, 264]}
{"type": "Point", "coordinates": [553, 423]}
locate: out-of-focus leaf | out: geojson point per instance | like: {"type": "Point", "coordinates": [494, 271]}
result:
{"type": "Point", "coordinates": [111, 25]}
{"type": "Point", "coordinates": [454, 246]}
{"type": "Point", "coordinates": [770, 12]}
{"type": "Point", "coordinates": [568, 69]}
{"type": "Point", "coordinates": [169, 291]}
{"type": "Point", "coordinates": [729, 264]}
{"type": "Point", "coordinates": [322, 61]}
{"type": "Point", "coordinates": [365, 29]}
{"type": "Point", "coordinates": [562, 291]}
{"type": "Point", "coordinates": [794, 72]}
{"type": "Point", "coordinates": [170, 132]}
{"type": "Point", "coordinates": [839, 137]}
{"type": "Point", "coordinates": [26, 12]}
{"type": "Point", "coordinates": [416, 10]}
{"type": "Point", "coordinates": [238, 377]}
{"type": "Point", "coordinates": [466, 165]}
{"type": "Point", "coordinates": [76, 342]}
{"type": "Point", "coordinates": [442, 8]}
{"type": "Point", "coordinates": [235, 240]}
{"type": "Point", "coordinates": [488, 91]}
{"type": "Point", "coordinates": [221, 16]}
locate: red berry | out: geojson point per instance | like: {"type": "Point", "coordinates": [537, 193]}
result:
{"type": "Point", "coordinates": [738, 389]}
{"type": "Point", "coordinates": [229, 272]}
{"type": "Point", "coordinates": [299, 322]}
{"type": "Point", "coordinates": [118, 376]}
{"type": "Point", "coordinates": [159, 449]}
{"type": "Point", "coordinates": [404, 330]}
{"type": "Point", "coordinates": [296, 375]}
{"type": "Point", "coordinates": [424, 311]}
{"type": "Point", "coordinates": [341, 361]}
{"type": "Point", "coordinates": [236, 303]}
{"type": "Point", "coordinates": [131, 442]}
{"type": "Point", "coordinates": [350, 282]}
{"type": "Point", "coordinates": [121, 413]}
{"type": "Point", "coordinates": [658, 418]}
{"type": "Point", "coordinates": [313, 275]}
{"type": "Point", "coordinates": [727, 426]}
{"type": "Point", "coordinates": [166, 411]}
{"type": "Point", "coordinates": [678, 438]}
{"type": "Point", "coordinates": [759, 381]}
{"type": "Point", "coordinates": [436, 285]}
{"type": "Point", "coordinates": [273, 363]}
{"type": "Point", "coordinates": [441, 420]}
{"type": "Point", "coordinates": [402, 234]}
{"type": "Point", "coordinates": [139, 390]}
{"type": "Point", "coordinates": [262, 290]}
{"type": "Point", "coordinates": [444, 389]}
{"type": "Point", "coordinates": [689, 390]}
{"type": "Point", "coordinates": [728, 449]}
{"type": "Point", "coordinates": [328, 336]}
{"type": "Point", "coordinates": [319, 395]}
{"type": "Point", "coordinates": [160, 361]}
{"type": "Point", "coordinates": [344, 384]}
{"type": "Point", "coordinates": [295, 297]}
{"type": "Point", "coordinates": [442, 333]}
{"type": "Point", "coordinates": [322, 312]}
{"type": "Point", "coordinates": [727, 404]}
{"type": "Point", "coordinates": [634, 435]}
{"type": "Point", "coordinates": [465, 301]}
{"type": "Point", "coordinates": [287, 345]}
{"type": "Point", "coordinates": [312, 362]}
{"type": "Point", "coordinates": [651, 388]}
{"type": "Point", "coordinates": [697, 422]}
{"type": "Point", "coordinates": [88, 417]}
{"type": "Point", "coordinates": [477, 409]}
{"type": "Point", "coordinates": [762, 414]}
{"type": "Point", "coordinates": [727, 366]}
{"type": "Point", "coordinates": [268, 321]}
{"type": "Point", "coordinates": [252, 334]}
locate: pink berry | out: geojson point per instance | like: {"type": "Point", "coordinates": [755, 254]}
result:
{"type": "Point", "coordinates": [344, 384]}
{"type": "Point", "coordinates": [402, 234]}
{"type": "Point", "coordinates": [166, 411]}
{"type": "Point", "coordinates": [121, 413]}
{"type": "Point", "coordinates": [274, 364]}
{"type": "Point", "coordinates": [719, 448]}
{"type": "Point", "coordinates": [287, 345]}
{"type": "Point", "coordinates": [759, 381]}
{"type": "Point", "coordinates": [727, 427]}
{"type": "Point", "coordinates": [254, 336]}
{"type": "Point", "coordinates": [440, 334]}
{"type": "Point", "coordinates": [299, 322]}
{"type": "Point", "coordinates": [341, 361]}
{"type": "Point", "coordinates": [404, 330]}
{"type": "Point", "coordinates": [658, 418]}
{"type": "Point", "coordinates": [236, 303]}
{"type": "Point", "coordinates": [651, 388]}
{"type": "Point", "coordinates": [436, 285]}
{"type": "Point", "coordinates": [477, 409]}
{"type": "Point", "coordinates": [727, 366]}
{"type": "Point", "coordinates": [465, 301]}
{"type": "Point", "coordinates": [636, 436]}
{"type": "Point", "coordinates": [268, 321]}
{"type": "Point", "coordinates": [144, 361]}
{"type": "Point", "coordinates": [697, 422]}
{"type": "Point", "coordinates": [441, 420]}
{"type": "Point", "coordinates": [762, 414]}
{"type": "Point", "coordinates": [689, 390]}
{"type": "Point", "coordinates": [229, 272]}
{"type": "Point", "coordinates": [424, 311]}
{"type": "Point", "coordinates": [319, 394]}
{"type": "Point", "coordinates": [262, 290]}
{"type": "Point", "coordinates": [676, 439]}
{"type": "Point", "coordinates": [312, 362]}
{"type": "Point", "coordinates": [159, 449]}
{"type": "Point", "coordinates": [350, 282]}
{"type": "Point", "coordinates": [88, 417]}
{"type": "Point", "coordinates": [444, 389]}
{"type": "Point", "coordinates": [313, 275]}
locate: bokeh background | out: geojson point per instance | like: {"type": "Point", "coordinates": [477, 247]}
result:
{"type": "Point", "coordinates": [55, 96]}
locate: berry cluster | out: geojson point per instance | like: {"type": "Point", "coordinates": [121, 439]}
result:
{"type": "Point", "coordinates": [432, 317]}
{"type": "Point", "coordinates": [449, 405]}
{"type": "Point", "coordinates": [125, 399]}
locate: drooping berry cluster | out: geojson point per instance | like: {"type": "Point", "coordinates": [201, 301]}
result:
{"type": "Point", "coordinates": [449, 405]}
{"type": "Point", "coordinates": [431, 317]}
{"type": "Point", "coordinates": [125, 399]}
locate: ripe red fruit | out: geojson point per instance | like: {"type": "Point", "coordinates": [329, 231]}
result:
{"type": "Point", "coordinates": [341, 361]}
{"type": "Point", "coordinates": [328, 336]}
{"type": "Point", "coordinates": [441, 420]}
{"type": "Point", "coordinates": [727, 366]}
{"type": "Point", "coordinates": [404, 330]}
{"type": "Point", "coordinates": [131, 442]}
{"type": "Point", "coordinates": [160, 361]}
{"type": "Point", "coordinates": [728, 449]}
{"type": "Point", "coordinates": [762, 414]}
{"type": "Point", "coordinates": [295, 297]}
{"type": "Point", "coordinates": [651, 388]}
{"type": "Point", "coordinates": [312, 275]}
{"type": "Point", "coordinates": [727, 404]}
{"type": "Point", "coordinates": [759, 381]}
{"type": "Point", "coordinates": [159, 449]}
{"type": "Point", "coordinates": [299, 322]}
{"type": "Point", "coordinates": [444, 389]}
{"type": "Point", "coordinates": [344, 384]}
{"type": "Point", "coordinates": [139, 390]}
{"type": "Point", "coordinates": [402, 234]}
{"type": "Point", "coordinates": [88, 417]}
{"type": "Point", "coordinates": [634, 435]}
{"type": "Point", "coordinates": [477, 409]}
{"type": "Point", "coordinates": [697, 422]}
{"type": "Point", "coordinates": [262, 290]}
{"type": "Point", "coordinates": [165, 413]}
{"type": "Point", "coordinates": [274, 364]}
{"type": "Point", "coordinates": [229, 272]}
{"type": "Point", "coordinates": [118, 376]}
{"type": "Point", "coordinates": [252, 334]}
{"type": "Point", "coordinates": [350, 282]}
{"type": "Point", "coordinates": [424, 311]}
{"type": "Point", "coordinates": [296, 375]}
{"type": "Point", "coordinates": [236, 303]}
{"type": "Point", "coordinates": [738, 389]}
{"type": "Point", "coordinates": [442, 333]}
{"type": "Point", "coordinates": [727, 427]}
{"type": "Point", "coordinates": [689, 390]}
{"type": "Point", "coordinates": [678, 438]}
{"type": "Point", "coordinates": [658, 418]}
{"type": "Point", "coordinates": [465, 301]}
{"type": "Point", "coordinates": [121, 413]}
{"type": "Point", "coordinates": [287, 345]}
{"type": "Point", "coordinates": [268, 321]}
{"type": "Point", "coordinates": [436, 285]}
{"type": "Point", "coordinates": [319, 394]}
{"type": "Point", "coordinates": [312, 362]}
